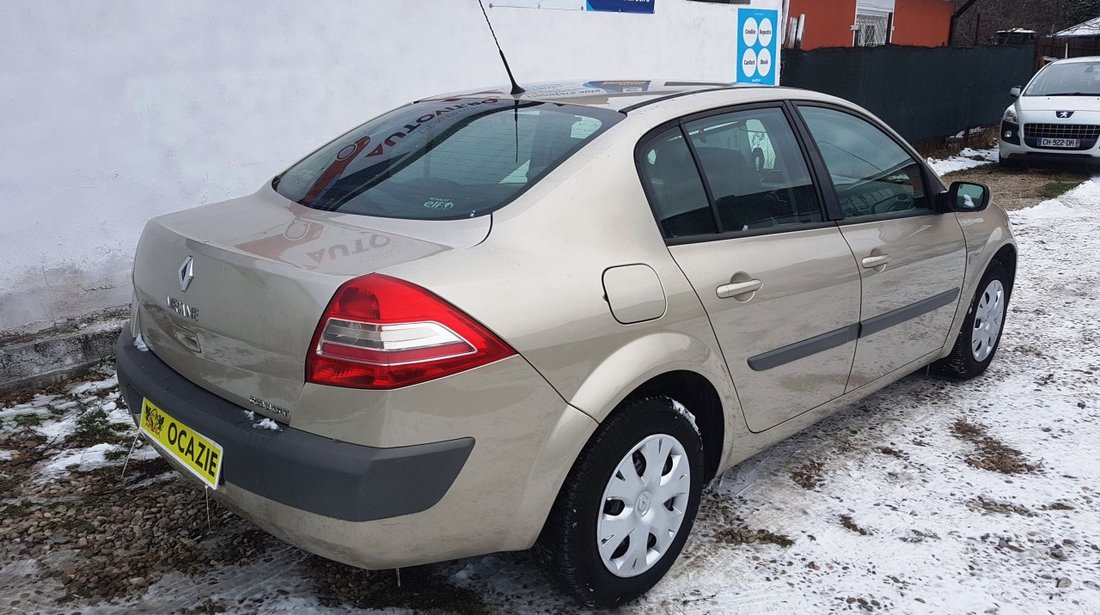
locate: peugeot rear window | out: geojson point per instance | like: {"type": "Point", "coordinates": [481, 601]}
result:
{"type": "Point", "coordinates": [442, 159]}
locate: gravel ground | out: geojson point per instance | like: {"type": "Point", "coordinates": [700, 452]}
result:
{"type": "Point", "coordinates": [1015, 188]}
{"type": "Point", "coordinates": [926, 497]}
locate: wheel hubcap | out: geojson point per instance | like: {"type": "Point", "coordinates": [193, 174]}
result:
{"type": "Point", "coordinates": [643, 505]}
{"type": "Point", "coordinates": [988, 318]}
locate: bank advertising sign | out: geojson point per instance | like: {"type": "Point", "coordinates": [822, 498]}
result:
{"type": "Point", "coordinates": [757, 46]}
{"type": "Point", "coordinates": [620, 6]}
{"type": "Point", "coordinates": [604, 6]}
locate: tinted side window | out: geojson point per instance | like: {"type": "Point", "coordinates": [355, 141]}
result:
{"type": "Point", "coordinates": [755, 170]}
{"type": "Point", "coordinates": [674, 186]}
{"type": "Point", "coordinates": [873, 175]}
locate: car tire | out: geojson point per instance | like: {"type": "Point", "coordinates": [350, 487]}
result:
{"type": "Point", "coordinates": [1009, 163]}
{"type": "Point", "coordinates": [588, 515]}
{"type": "Point", "coordinates": [980, 336]}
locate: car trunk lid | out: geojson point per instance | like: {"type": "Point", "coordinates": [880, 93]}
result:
{"type": "Point", "coordinates": [229, 295]}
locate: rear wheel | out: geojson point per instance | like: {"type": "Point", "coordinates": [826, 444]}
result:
{"type": "Point", "coordinates": [981, 330]}
{"type": "Point", "coordinates": [628, 505]}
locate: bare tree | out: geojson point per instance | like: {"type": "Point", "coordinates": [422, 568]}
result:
{"type": "Point", "coordinates": [977, 25]}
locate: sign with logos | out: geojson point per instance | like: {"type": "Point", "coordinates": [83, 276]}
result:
{"type": "Point", "coordinates": [757, 46]}
{"type": "Point", "coordinates": [621, 6]}
{"type": "Point", "coordinates": [604, 6]}
{"type": "Point", "coordinates": [558, 5]}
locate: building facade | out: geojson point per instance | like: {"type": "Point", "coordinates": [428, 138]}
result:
{"type": "Point", "coordinates": [851, 23]}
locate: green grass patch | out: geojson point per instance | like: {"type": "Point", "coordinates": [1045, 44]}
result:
{"type": "Point", "coordinates": [116, 454]}
{"type": "Point", "coordinates": [14, 511]}
{"type": "Point", "coordinates": [93, 428]}
{"type": "Point", "coordinates": [1057, 188]}
{"type": "Point", "coordinates": [28, 420]}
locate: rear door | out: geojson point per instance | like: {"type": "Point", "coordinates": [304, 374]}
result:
{"type": "Point", "coordinates": [743, 220]}
{"type": "Point", "coordinates": [912, 258]}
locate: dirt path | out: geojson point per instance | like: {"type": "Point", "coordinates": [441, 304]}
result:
{"type": "Point", "coordinates": [1019, 188]}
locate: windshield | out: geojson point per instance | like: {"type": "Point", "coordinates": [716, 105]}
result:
{"type": "Point", "coordinates": [1070, 79]}
{"type": "Point", "coordinates": [442, 159]}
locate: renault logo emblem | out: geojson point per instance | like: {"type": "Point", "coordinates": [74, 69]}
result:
{"type": "Point", "coordinates": [1063, 114]}
{"type": "Point", "coordinates": [186, 273]}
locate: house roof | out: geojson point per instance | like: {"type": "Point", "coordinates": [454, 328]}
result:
{"type": "Point", "coordinates": [1088, 28]}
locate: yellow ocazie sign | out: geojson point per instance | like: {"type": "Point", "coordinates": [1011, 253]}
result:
{"type": "Point", "coordinates": [201, 455]}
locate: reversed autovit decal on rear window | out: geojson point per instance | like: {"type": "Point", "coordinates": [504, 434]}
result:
{"type": "Point", "coordinates": [443, 159]}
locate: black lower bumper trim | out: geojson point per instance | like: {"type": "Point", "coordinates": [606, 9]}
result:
{"type": "Point", "coordinates": [1056, 158]}
{"type": "Point", "coordinates": [313, 473]}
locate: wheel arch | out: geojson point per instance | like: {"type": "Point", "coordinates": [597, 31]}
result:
{"type": "Point", "coordinates": [1007, 257]}
{"type": "Point", "coordinates": [670, 363]}
{"type": "Point", "coordinates": [701, 399]}
{"type": "Point", "coordinates": [987, 236]}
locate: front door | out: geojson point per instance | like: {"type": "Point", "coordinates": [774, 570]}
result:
{"type": "Point", "coordinates": [912, 259]}
{"type": "Point", "coordinates": [779, 283]}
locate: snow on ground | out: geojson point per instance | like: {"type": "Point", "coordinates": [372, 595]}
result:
{"type": "Point", "coordinates": [94, 386]}
{"type": "Point", "coordinates": [86, 458]}
{"type": "Point", "coordinates": [968, 158]}
{"type": "Point", "coordinates": [1083, 198]}
{"type": "Point", "coordinates": [59, 417]}
{"type": "Point", "coordinates": [929, 496]}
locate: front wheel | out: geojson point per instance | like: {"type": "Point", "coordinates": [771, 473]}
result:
{"type": "Point", "coordinates": [981, 331]}
{"type": "Point", "coordinates": [628, 505]}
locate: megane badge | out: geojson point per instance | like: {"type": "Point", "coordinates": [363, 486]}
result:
{"type": "Point", "coordinates": [186, 273]}
{"type": "Point", "coordinates": [1063, 114]}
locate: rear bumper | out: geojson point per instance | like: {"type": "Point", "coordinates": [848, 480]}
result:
{"type": "Point", "coordinates": [376, 506]}
{"type": "Point", "coordinates": [312, 473]}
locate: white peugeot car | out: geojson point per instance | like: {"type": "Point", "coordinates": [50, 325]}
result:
{"type": "Point", "coordinates": [1056, 117]}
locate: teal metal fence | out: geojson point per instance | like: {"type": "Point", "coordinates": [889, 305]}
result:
{"type": "Point", "coordinates": [923, 93]}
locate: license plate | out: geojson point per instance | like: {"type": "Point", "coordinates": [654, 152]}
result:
{"type": "Point", "coordinates": [1059, 142]}
{"type": "Point", "coordinates": [199, 454]}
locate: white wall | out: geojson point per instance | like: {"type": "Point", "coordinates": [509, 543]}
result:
{"type": "Point", "coordinates": [115, 111]}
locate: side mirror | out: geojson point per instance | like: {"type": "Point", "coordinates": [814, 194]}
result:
{"type": "Point", "coordinates": [1015, 92]}
{"type": "Point", "coordinates": [966, 197]}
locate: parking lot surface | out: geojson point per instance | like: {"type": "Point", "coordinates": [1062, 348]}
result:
{"type": "Point", "coordinates": [930, 496]}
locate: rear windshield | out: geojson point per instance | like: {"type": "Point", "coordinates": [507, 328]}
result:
{"type": "Point", "coordinates": [1069, 79]}
{"type": "Point", "coordinates": [442, 159]}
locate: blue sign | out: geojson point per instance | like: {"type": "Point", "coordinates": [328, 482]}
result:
{"type": "Point", "coordinates": [621, 6]}
{"type": "Point", "coordinates": [757, 45]}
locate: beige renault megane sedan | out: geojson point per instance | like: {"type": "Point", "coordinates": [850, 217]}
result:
{"type": "Point", "coordinates": [484, 322]}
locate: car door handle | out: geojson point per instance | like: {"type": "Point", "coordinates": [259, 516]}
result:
{"type": "Point", "coordinates": [874, 262]}
{"type": "Point", "coordinates": [735, 289]}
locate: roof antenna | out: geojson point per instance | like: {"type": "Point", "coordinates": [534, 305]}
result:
{"type": "Point", "coordinates": [515, 86]}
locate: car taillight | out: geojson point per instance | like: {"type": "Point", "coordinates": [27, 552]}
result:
{"type": "Point", "coordinates": [380, 332]}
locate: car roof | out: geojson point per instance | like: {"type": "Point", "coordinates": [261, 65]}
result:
{"type": "Point", "coordinates": [613, 94]}
{"type": "Point", "coordinates": [1077, 60]}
